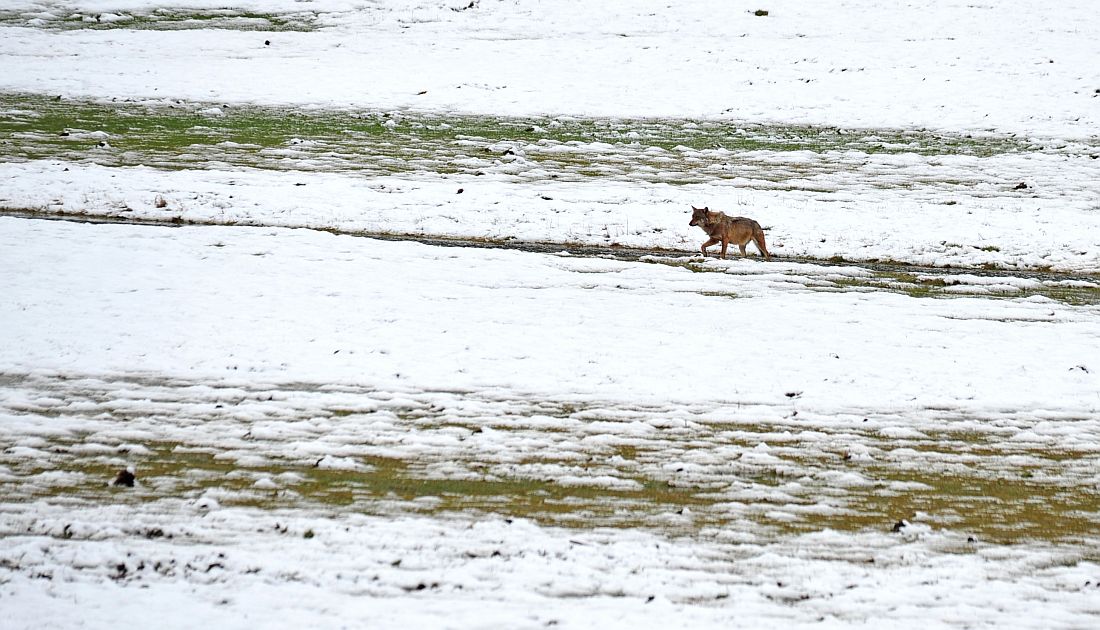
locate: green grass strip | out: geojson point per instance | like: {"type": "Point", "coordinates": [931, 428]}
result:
{"type": "Point", "coordinates": [674, 151]}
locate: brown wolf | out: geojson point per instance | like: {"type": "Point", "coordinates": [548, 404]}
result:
{"type": "Point", "coordinates": [725, 229]}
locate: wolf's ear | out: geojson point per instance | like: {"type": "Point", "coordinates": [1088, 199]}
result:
{"type": "Point", "coordinates": [694, 208]}
{"type": "Point", "coordinates": [706, 208]}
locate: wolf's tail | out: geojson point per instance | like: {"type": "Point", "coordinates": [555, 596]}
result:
{"type": "Point", "coordinates": [758, 238]}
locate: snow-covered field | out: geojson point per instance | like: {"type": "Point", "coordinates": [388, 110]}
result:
{"type": "Point", "coordinates": [779, 418]}
{"type": "Point", "coordinates": [329, 430]}
{"type": "Point", "coordinates": [1016, 66]}
{"type": "Point", "coordinates": [1019, 74]}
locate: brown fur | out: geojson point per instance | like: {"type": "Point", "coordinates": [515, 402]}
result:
{"type": "Point", "coordinates": [725, 229]}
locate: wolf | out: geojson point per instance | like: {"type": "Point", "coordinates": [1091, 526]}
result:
{"type": "Point", "coordinates": [726, 229]}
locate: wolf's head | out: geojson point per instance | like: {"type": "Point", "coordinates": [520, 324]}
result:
{"type": "Point", "coordinates": [699, 215]}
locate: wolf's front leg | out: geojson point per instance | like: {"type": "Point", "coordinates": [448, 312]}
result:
{"type": "Point", "coordinates": [708, 244]}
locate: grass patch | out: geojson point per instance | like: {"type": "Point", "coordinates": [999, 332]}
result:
{"type": "Point", "coordinates": [163, 19]}
{"type": "Point", "coordinates": [893, 277]}
{"type": "Point", "coordinates": [1002, 504]}
{"type": "Point", "coordinates": [385, 485]}
{"type": "Point", "coordinates": [927, 286]}
{"type": "Point", "coordinates": [558, 462]}
{"type": "Point", "coordinates": [722, 294]}
{"type": "Point", "coordinates": [191, 135]}
{"type": "Point", "coordinates": [1002, 510]}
